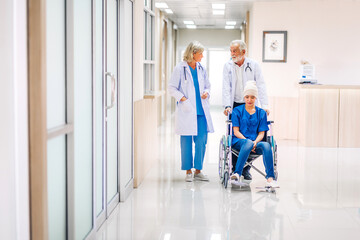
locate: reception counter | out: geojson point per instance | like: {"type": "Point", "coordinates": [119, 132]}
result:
{"type": "Point", "coordinates": [329, 116]}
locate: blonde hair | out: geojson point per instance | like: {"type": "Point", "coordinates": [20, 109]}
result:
{"type": "Point", "coordinates": [192, 48]}
{"type": "Point", "coordinates": [241, 43]}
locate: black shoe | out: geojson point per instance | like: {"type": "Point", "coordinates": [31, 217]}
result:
{"type": "Point", "coordinates": [246, 173]}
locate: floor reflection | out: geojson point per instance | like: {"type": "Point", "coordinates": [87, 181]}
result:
{"type": "Point", "coordinates": [318, 198]}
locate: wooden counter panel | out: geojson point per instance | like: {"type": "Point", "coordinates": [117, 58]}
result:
{"type": "Point", "coordinates": [349, 118]}
{"type": "Point", "coordinates": [318, 117]}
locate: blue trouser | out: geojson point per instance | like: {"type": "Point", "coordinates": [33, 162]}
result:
{"type": "Point", "coordinates": [244, 146]}
{"type": "Point", "coordinates": [200, 140]}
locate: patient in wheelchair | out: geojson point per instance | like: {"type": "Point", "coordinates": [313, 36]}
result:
{"type": "Point", "coordinates": [249, 127]}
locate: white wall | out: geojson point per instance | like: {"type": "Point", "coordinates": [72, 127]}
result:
{"type": "Point", "coordinates": [208, 37]}
{"type": "Point", "coordinates": [14, 183]}
{"type": "Point", "coordinates": [325, 33]}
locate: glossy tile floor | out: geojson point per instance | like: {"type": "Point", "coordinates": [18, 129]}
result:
{"type": "Point", "coordinates": [318, 198]}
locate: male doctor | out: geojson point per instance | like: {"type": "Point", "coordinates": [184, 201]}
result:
{"type": "Point", "coordinates": [236, 73]}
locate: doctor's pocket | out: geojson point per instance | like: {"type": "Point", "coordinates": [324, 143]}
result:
{"type": "Point", "coordinates": [185, 106]}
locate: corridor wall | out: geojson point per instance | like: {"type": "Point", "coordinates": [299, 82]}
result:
{"type": "Point", "coordinates": [325, 33]}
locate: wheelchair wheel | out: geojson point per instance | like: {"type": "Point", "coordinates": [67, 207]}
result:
{"type": "Point", "coordinates": [221, 158]}
{"type": "Point", "coordinates": [275, 162]}
{"type": "Point", "coordinates": [226, 179]}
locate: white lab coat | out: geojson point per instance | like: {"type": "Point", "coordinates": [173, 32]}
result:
{"type": "Point", "coordinates": [255, 74]}
{"type": "Point", "coordinates": [186, 116]}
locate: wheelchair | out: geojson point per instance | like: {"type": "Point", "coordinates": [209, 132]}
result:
{"type": "Point", "coordinates": [226, 153]}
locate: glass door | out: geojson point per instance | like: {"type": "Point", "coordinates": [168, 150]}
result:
{"type": "Point", "coordinates": [106, 108]}
{"type": "Point", "coordinates": [56, 108]}
{"type": "Point", "coordinates": [99, 118]}
{"type": "Point", "coordinates": [126, 99]}
{"type": "Point", "coordinates": [111, 106]}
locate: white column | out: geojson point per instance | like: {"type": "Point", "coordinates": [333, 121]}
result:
{"type": "Point", "coordinates": [14, 183]}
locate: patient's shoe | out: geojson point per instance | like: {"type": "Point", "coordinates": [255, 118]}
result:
{"type": "Point", "coordinates": [272, 184]}
{"type": "Point", "coordinates": [246, 174]}
{"type": "Point", "coordinates": [235, 177]}
{"type": "Point", "coordinates": [201, 177]}
{"type": "Point", "coordinates": [238, 181]}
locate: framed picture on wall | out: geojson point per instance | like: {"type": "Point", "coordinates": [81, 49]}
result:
{"type": "Point", "coordinates": [274, 46]}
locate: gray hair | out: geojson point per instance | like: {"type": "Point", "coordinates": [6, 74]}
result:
{"type": "Point", "coordinates": [241, 43]}
{"type": "Point", "coordinates": [192, 48]}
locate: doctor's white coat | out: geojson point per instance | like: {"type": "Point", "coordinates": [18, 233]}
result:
{"type": "Point", "coordinates": [251, 73]}
{"type": "Point", "coordinates": [182, 84]}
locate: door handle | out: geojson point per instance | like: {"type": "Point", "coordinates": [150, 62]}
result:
{"type": "Point", "coordinates": [113, 89]}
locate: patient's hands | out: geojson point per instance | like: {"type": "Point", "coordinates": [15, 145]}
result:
{"type": "Point", "coordinates": [254, 147]}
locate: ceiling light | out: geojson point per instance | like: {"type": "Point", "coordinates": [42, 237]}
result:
{"type": "Point", "coordinates": [229, 27]}
{"type": "Point", "coordinates": [218, 12]}
{"type": "Point", "coordinates": [169, 11]}
{"type": "Point", "coordinates": [191, 26]}
{"type": "Point", "coordinates": [232, 23]}
{"type": "Point", "coordinates": [218, 6]}
{"type": "Point", "coordinates": [161, 5]}
{"type": "Point", "coordinates": [189, 22]}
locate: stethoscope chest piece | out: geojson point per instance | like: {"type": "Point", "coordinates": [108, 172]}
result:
{"type": "Point", "coordinates": [248, 67]}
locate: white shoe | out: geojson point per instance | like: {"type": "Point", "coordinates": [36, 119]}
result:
{"type": "Point", "coordinates": [189, 177]}
{"type": "Point", "coordinates": [272, 184]}
{"type": "Point", "coordinates": [201, 177]}
{"type": "Point", "coordinates": [235, 177]}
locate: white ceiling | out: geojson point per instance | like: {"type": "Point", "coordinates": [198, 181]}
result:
{"type": "Point", "coordinates": [200, 11]}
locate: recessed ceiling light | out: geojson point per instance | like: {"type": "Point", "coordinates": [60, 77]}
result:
{"type": "Point", "coordinates": [161, 5]}
{"type": "Point", "coordinates": [189, 22]}
{"type": "Point", "coordinates": [191, 26]}
{"type": "Point", "coordinates": [229, 27]}
{"type": "Point", "coordinates": [169, 11]}
{"type": "Point", "coordinates": [218, 6]}
{"type": "Point", "coordinates": [218, 12]}
{"type": "Point", "coordinates": [233, 23]}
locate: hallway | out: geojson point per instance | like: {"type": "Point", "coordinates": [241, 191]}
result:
{"type": "Point", "coordinates": [318, 197]}
{"type": "Point", "coordinates": [88, 149]}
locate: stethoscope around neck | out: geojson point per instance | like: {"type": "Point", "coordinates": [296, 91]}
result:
{"type": "Point", "coordinates": [200, 67]}
{"type": "Point", "coordinates": [248, 67]}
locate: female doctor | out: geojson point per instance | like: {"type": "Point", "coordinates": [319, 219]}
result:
{"type": "Point", "coordinates": [190, 86]}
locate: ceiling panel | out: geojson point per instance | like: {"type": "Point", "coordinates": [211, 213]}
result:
{"type": "Point", "coordinates": [200, 11]}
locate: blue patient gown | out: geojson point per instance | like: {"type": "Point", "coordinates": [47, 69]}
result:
{"type": "Point", "coordinates": [250, 126]}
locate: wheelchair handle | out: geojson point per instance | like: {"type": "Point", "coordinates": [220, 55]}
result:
{"type": "Point", "coordinates": [228, 120]}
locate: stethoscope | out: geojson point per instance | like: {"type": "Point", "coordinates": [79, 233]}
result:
{"type": "Point", "coordinates": [248, 67]}
{"type": "Point", "coordinates": [200, 67]}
